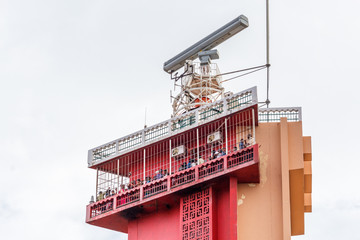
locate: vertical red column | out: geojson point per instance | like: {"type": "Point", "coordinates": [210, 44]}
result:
{"type": "Point", "coordinates": [233, 208]}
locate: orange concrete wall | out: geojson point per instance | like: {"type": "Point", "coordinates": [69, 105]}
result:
{"type": "Point", "coordinates": [307, 174]}
{"type": "Point", "coordinates": [274, 209]}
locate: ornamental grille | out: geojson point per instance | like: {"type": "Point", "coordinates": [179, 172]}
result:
{"type": "Point", "coordinates": [196, 216]}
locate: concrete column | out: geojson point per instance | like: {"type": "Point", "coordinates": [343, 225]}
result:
{"type": "Point", "coordinates": [284, 144]}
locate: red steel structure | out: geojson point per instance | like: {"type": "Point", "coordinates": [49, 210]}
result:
{"type": "Point", "coordinates": [184, 178]}
{"type": "Point", "coordinates": [181, 185]}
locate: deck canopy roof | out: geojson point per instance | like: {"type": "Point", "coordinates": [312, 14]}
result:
{"type": "Point", "coordinates": [164, 130]}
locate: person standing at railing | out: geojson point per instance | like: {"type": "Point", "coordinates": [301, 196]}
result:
{"type": "Point", "coordinates": [122, 188]}
{"type": "Point", "coordinates": [242, 144]}
{"type": "Point", "coordinates": [158, 175]}
{"type": "Point", "coordinates": [222, 152]}
{"type": "Point", "coordinates": [201, 160]}
{"type": "Point", "coordinates": [216, 154]}
{"type": "Point", "coordinates": [182, 166]}
{"type": "Point", "coordinates": [132, 184]}
{"type": "Point", "coordinates": [249, 140]}
{"type": "Point", "coordinates": [100, 196]}
{"type": "Point", "coordinates": [108, 192]}
{"type": "Point", "coordinates": [138, 183]}
{"type": "Point", "coordinates": [189, 164]}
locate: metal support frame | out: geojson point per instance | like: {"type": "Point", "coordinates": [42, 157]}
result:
{"type": "Point", "coordinates": [97, 180]}
{"type": "Point", "coordinates": [198, 88]}
{"type": "Point", "coordinates": [197, 145]}
{"type": "Point", "coordinates": [118, 174]}
{"type": "Point", "coordinates": [253, 122]}
{"type": "Point", "coordinates": [144, 162]}
{"type": "Point", "coordinates": [170, 172]}
{"type": "Point", "coordinates": [267, 55]}
{"type": "Point", "coordinates": [226, 136]}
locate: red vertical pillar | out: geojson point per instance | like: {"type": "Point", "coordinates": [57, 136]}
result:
{"type": "Point", "coordinates": [233, 208]}
{"type": "Point", "coordinates": [133, 230]}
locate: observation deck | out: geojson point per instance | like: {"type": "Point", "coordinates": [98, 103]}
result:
{"type": "Point", "coordinates": [165, 192]}
{"type": "Point", "coordinates": [153, 168]}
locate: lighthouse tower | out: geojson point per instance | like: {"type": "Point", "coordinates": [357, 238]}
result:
{"type": "Point", "coordinates": [220, 168]}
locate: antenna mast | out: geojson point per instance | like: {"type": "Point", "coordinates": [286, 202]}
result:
{"type": "Point", "coordinates": [201, 83]}
{"type": "Point", "coordinates": [267, 55]}
{"type": "Point", "coordinates": [145, 126]}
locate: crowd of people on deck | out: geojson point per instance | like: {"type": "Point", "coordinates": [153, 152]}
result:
{"type": "Point", "coordinates": [192, 162]}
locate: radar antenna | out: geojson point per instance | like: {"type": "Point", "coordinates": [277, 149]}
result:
{"type": "Point", "coordinates": [201, 83]}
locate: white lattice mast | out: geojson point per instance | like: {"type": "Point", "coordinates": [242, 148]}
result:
{"type": "Point", "coordinates": [202, 85]}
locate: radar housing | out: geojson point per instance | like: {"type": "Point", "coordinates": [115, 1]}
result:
{"type": "Point", "coordinates": [207, 43]}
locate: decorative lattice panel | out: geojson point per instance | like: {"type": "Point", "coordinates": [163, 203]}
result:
{"type": "Point", "coordinates": [196, 216]}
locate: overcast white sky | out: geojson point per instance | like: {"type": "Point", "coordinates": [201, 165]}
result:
{"type": "Point", "coordinates": [76, 74]}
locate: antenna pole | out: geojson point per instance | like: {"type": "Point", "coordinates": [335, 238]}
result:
{"type": "Point", "coordinates": [267, 55]}
{"type": "Point", "coordinates": [145, 118]}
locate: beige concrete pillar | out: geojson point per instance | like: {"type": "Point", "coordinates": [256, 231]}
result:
{"type": "Point", "coordinates": [284, 144]}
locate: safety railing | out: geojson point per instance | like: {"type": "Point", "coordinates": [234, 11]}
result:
{"type": "Point", "coordinates": [156, 132]}
{"type": "Point", "coordinates": [102, 207]}
{"type": "Point", "coordinates": [209, 70]}
{"type": "Point", "coordinates": [274, 114]}
{"type": "Point", "coordinates": [128, 197]}
{"type": "Point", "coordinates": [176, 125]}
{"type": "Point", "coordinates": [104, 151]}
{"type": "Point", "coordinates": [183, 122]}
{"type": "Point", "coordinates": [240, 157]}
{"type": "Point", "coordinates": [156, 187]}
{"type": "Point", "coordinates": [211, 112]}
{"type": "Point", "coordinates": [204, 172]}
{"type": "Point", "coordinates": [211, 168]}
{"type": "Point", "coordinates": [239, 101]}
{"type": "Point", "coordinates": [183, 177]}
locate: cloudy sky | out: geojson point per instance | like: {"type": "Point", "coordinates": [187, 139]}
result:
{"type": "Point", "coordinates": [76, 74]}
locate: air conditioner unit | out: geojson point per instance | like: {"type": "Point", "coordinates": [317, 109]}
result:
{"type": "Point", "coordinates": [178, 151]}
{"type": "Point", "coordinates": [214, 137]}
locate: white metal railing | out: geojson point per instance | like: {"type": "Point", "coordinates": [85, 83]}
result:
{"type": "Point", "coordinates": [176, 125]}
{"type": "Point", "coordinates": [208, 70]}
{"type": "Point", "coordinates": [293, 114]}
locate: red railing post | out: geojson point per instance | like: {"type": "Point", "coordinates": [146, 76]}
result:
{"type": "Point", "coordinates": [141, 193]}
{"type": "Point", "coordinates": [168, 183]}
{"type": "Point", "coordinates": [226, 162]}
{"type": "Point", "coordinates": [88, 211]}
{"type": "Point", "coordinates": [256, 153]}
{"type": "Point", "coordinates": [196, 173]}
{"type": "Point", "coordinates": [114, 203]}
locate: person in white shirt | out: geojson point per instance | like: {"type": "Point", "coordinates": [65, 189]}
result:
{"type": "Point", "coordinates": [249, 140]}
{"type": "Point", "coordinates": [201, 160]}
